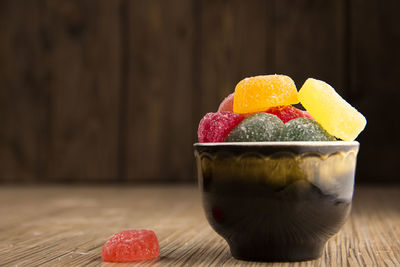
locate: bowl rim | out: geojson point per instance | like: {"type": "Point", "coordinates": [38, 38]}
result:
{"type": "Point", "coordinates": [281, 144]}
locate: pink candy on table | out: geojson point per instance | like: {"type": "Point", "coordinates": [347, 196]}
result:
{"type": "Point", "coordinates": [131, 245]}
{"type": "Point", "coordinates": [214, 127]}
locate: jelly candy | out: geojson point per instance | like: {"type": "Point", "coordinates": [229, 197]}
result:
{"type": "Point", "coordinates": [304, 129]}
{"type": "Point", "coordinates": [214, 127]}
{"type": "Point", "coordinates": [330, 110]}
{"type": "Point", "coordinates": [286, 113]}
{"type": "Point", "coordinates": [259, 93]}
{"type": "Point", "coordinates": [307, 115]}
{"type": "Point", "coordinates": [131, 245]}
{"type": "Point", "coordinates": [227, 104]}
{"type": "Point", "coordinates": [257, 128]}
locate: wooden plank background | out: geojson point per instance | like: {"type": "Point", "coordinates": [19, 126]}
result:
{"type": "Point", "coordinates": [107, 91]}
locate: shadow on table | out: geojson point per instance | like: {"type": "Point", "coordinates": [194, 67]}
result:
{"type": "Point", "coordinates": [205, 255]}
{"type": "Point", "coordinates": [191, 258]}
{"type": "Point", "coordinates": [156, 262]}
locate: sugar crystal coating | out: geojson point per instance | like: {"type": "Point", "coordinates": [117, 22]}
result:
{"type": "Point", "coordinates": [257, 128]}
{"type": "Point", "coordinates": [330, 110]}
{"type": "Point", "coordinates": [304, 129]}
{"type": "Point", "coordinates": [259, 93]}
{"type": "Point", "coordinates": [131, 245]}
{"type": "Point", "coordinates": [227, 104]}
{"type": "Point", "coordinates": [286, 113]}
{"type": "Point", "coordinates": [214, 127]}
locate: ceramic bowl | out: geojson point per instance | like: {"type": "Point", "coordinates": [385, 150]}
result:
{"type": "Point", "coordinates": [276, 201]}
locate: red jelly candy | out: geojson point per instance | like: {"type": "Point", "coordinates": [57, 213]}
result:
{"type": "Point", "coordinates": [214, 127]}
{"type": "Point", "coordinates": [286, 113]}
{"type": "Point", "coordinates": [131, 245]}
{"type": "Point", "coordinates": [227, 104]}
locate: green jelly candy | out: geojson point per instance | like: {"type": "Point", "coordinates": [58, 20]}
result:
{"type": "Point", "coordinates": [257, 128]}
{"type": "Point", "coordinates": [304, 129]}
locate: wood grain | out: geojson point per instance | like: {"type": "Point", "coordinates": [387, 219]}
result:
{"type": "Point", "coordinates": [159, 97]}
{"type": "Point", "coordinates": [236, 41]}
{"type": "Point", "coordinates": [96, 91]}
{"type": "Point", "coordinates": [67, 226]}
{"type": "Point", "coordinates": [374, 84]}
{"type": "Point", "coordinates": [82, 55]}
{"type": "Point", "coordinates": [23, 93]}
{"type": "Point", "coordinates": [310, 41]}
{"type": "Point", "coordinates": [60, 87]}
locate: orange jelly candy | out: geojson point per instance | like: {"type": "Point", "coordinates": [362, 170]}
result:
{"type": "Point", "coordinates": [259, 93]}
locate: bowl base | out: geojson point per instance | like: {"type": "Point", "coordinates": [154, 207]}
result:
{"type": "Point", "coordinates": [273, 253]}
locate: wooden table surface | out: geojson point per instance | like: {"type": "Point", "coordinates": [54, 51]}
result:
{"type": "Point", "coordinates": [67, 226]}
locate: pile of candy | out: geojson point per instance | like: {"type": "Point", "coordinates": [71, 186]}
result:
{"type": "Point", "coordinates": [261, 109]}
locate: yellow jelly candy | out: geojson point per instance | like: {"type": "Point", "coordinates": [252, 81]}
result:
{"type": "Point", "coordinates": [259, 93]}
{"type": "Point", "coordinates": [330, 110]}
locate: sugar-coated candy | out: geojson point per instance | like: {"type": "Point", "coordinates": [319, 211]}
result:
{"type": "Point", "coordinates": [257, 128]}
{"type": "Point", "coordinates": [286, 113]}
{"type": "Point", "coordinates": [259, 93]}
{"type": "Point", "coordinates": [131, 245]}
{"type": "Point", "coordinates": [214, 127]}
{"type": "Point", "coordinates": [304, 129]}
{"type": "Point", "coordinates": [330, 110]}
{"type": "Point", "coordinates": [227, 104]}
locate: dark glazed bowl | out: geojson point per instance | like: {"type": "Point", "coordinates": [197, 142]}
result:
{"type": "Point", "coordinates": [276, 201]}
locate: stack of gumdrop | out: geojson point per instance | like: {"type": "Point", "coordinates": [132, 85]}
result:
{"type": "Point", "coordinates": [261, 109]}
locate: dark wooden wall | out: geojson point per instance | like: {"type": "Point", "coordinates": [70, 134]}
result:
{"type": "Point", "coordinates": [100, 91]}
